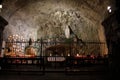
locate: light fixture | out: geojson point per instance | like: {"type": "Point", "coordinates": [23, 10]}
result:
{"type": "Point", "coordinates": [109, 9]}
{"type": "Point", "coordinates": [0, 6]}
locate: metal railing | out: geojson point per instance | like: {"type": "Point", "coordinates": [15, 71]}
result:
{"type": "Point", "coordinates": [43, 48]}
{"type": "Point", "coordinates": [55, 53]}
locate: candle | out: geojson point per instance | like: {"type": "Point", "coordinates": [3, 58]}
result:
{"type": "Point", "coordinates": [50, 54]}
{"type": "Point", "coordinates": [77, 54]}
{"type": "Point", "coordinates": [68, 54]}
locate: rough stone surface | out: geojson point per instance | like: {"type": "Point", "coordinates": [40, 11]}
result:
{"type": "Point", "coordinates": [48, 18]}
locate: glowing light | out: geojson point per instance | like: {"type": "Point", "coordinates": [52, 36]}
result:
{"type": "Point", "coordinates": [0, 6]}
{"type": "Point", "coordinates": [110, 11]}
{"type": "Point", "coordinates": [109, 7]}
{"type": "Point", "coordinates": [77, 54]}
{"type": "Point", "coordinates": [68, 54]}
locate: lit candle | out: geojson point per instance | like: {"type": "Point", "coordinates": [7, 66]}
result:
{"type": "Point", "coordinates": [50, 54]}
{"type": "Point", "coordinates": [16, 35]}
{"type": "Point", "coordinates": [10, 36]}
{"type": "Point", "coordinates": [68, 54]}
{"type": "Point", "coordinates": [77, 54]}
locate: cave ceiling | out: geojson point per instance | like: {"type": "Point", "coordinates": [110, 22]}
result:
{"type": "Point", "coordinates": [49, 17]}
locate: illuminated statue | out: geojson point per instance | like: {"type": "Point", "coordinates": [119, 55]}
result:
{"type": "Point", "coordinates": [30, 49]}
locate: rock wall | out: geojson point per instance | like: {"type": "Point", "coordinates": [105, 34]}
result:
{"type": "Point", "coordinates": [49, 18]}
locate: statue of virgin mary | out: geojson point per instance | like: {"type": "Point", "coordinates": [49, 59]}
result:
{"type": "Point", "coordinates": [67, 32]}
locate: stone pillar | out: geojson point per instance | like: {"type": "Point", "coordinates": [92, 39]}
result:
{"type": "Point", "coordinates": [3, 23]}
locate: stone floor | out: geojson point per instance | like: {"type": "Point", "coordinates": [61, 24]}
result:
{"type": "Point", "coordinates": [85, 73]}
{"type": "Point", "coordinates": [55, 76]}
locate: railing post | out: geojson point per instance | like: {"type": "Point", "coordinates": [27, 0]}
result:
{"type": "Point", "coordinates": [41, 42]}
